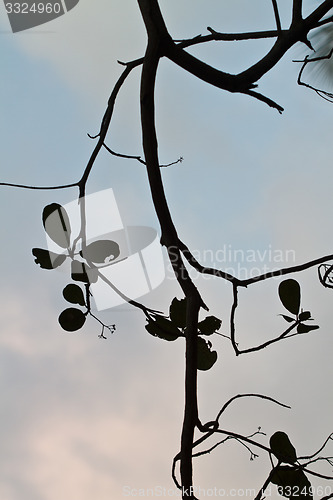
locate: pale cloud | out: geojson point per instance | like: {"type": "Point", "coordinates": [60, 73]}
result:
{"type": "Point", "coordinates": [83, 46]}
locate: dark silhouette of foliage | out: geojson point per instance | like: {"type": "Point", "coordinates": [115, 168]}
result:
{"type": "Point", "coordinates": [290, 474]}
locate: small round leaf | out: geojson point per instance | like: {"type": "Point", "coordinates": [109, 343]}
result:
{"type": "Point", "coordinates": [74, 294]}
{"type": "Point", "coordinates": [72, 319]}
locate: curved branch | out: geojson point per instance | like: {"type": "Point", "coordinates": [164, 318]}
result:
{"type": "Point", "coordinates": [106, 123]}
{"type": "Point", "coordinates": [328, 96]}
{"type": "Point", "coordinates": [284, 335]}
{"type": "Point", "coordinates": [238, 396]}
{"type": "Point", "coordinates": [330, 437]}
{"type": "Point", "coordinates": [42, 188]}
{"type": "Point", "coordinates": [255, 279]}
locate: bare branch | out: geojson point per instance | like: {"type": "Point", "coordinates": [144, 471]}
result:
{"type": "Point", "coordinates": [297, 11]}
{"type": "Point", "coordinates": [318, 451]}
{"type": "Point", "coordinates": [277, 16]}
{"type": "Point", "coordinates": [106, 123]}
{"type": "Point", "coordinates": [41, 188]}
{"type": "Point", "coordinates": [232, 318]}
{"type": "Point", "coordinates": [250, 395]}
{"type": "Point", "coordinates": [255, 279]}
{"type": "Point", "coordinates": [264, 99]}
{"type": "Point", "coordinates": [286, 270]}
{"type": "Point", "coordinates": [128, 157]}
{"type": "Point", "coordinates": [328, 96]}
{"type": "Point", "coordinates": [216, 36]}
{"type": "Point", "coordinates": [284, 335]}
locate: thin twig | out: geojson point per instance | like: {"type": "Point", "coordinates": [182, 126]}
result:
{"type": "Point", "coordinates": [250, 395]}
{"type": "Point", "coordinates": [232, 318]}
{"type": "Point", "coordinates": [328, 96]}
{"type": "Point", "coordinates": [120, 155]}
{"type": "Point", "coordinates": [41, 188]}
{"type": "Point", "coordinates": [308, 457]}
{"type": "Point", "coordinates": [284, 335]}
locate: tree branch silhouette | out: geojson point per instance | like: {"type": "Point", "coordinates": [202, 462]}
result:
{"type": "Point", "coordinates": [161, 45]}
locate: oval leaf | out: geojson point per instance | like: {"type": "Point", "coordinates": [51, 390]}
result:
{"type": "Point", "coordinates": [101, 251]}
{"type": "Point", "coordinates": [56, 224]}
{"type": "Point", "coordinates": [209, 325]}
{"type": "Point", "coordinates": [205, 357]}
{"type": "Point", "coordinates": [46, 259]}
{"type": "Point", "coordinates": [282, 448]}
{"type": "Point", "coordinates": [177, 312]}
{"type": "Point", "coordinates": [290, 295]}
{"type": "Point", "coordinates": [73, 294]}
{"type": "Point", "coordinates": [72, 319]}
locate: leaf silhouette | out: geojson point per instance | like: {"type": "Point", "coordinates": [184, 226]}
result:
{"type": "Point", "coordinates": [100, 250]}
{"type": "Point", "coordinates": [72, 319]}
{"type": "Point", "coordinates": [46, 259]}
{"type": "Point", "coordinates": [305, 315]}
{"type": "Point", "coordinates": [287, 318]}
{"type": "Point", "coordinates": [282, 448]}
{"type": "Point", "coordinates": [209, 325]}
{"type": "Point", "coordinates": [290, 295]}
{"type": "Point", "coordinates": [56, 224]}
{"type": "Point", "coordinates": [205, 356]}
{"type": "Point", "coordinates": [74, 294]}
{"type": "Point", "coordinates": [162, 328]}
{"type": "Point", "coordinates": [292, 483]}
{"type": "Point", "coordinates": [177, 312]}
{"type": "Point", "coordinates": [301, 328]}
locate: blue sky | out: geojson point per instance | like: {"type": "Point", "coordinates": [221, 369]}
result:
{"type": "Point", "coordinates": [81, 417]}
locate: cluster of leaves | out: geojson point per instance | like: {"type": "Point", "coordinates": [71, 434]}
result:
{"type": "Point", "coordinates": [57, 226]}
{"type": "Point", "coordinates": [290, 480]}
{"type": "Point", "coordinates": [172, 327]}
{"type": "Point", "coordinates": [73, 319]}
{"type": "Point", "coordinates": [290, 296]}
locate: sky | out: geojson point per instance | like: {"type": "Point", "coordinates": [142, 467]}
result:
{"type": "Point", "coordinates": [83, 417]}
